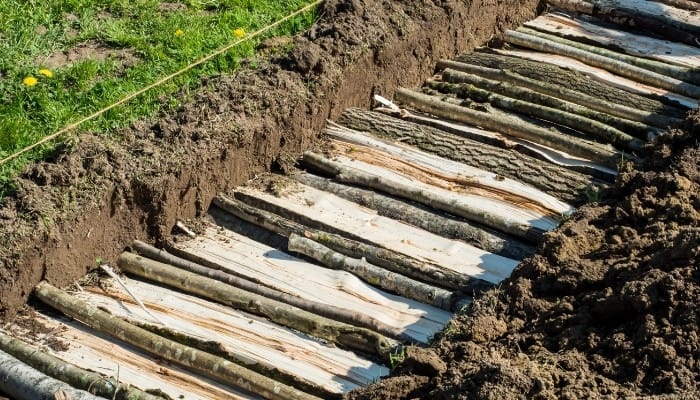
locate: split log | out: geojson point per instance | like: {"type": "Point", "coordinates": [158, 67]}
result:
{"type": "Point", "coordinates": [618, 67]}
{"type": "Point", "coordinates": [77, 377]}
{"type": "Point", "coordinates": [554, 97]}
{"type": "Point", "coordinates": [382, 257]}
{"type": "Point", "coordinates": [555, 180]}
{"type": "Point", "coordinates": [648, 15]}
{"type": "Point", "coordinates": [325, 310]}
{"type": "Point", "coordinates": [23, 382]}
{"type": "Point", "coordinates": [417, 216]}
{"type": "Point", "coordinates": [500, 141]}
{"type": "Point", "coordinates": [572, 80]}
{"type": "Point", "coordinates": [390, 281]}
{"type": "Point", "coordinates": [454, 206]}
{"type": "Point", "coordinates": [185, 356]}
{"type": "Point", "coordinates": [577, 29]}
{"type": "Point", "coordinates": [511, 126]}
{"type": "Point", "coordinates": [343, 334]}
{"type": "Point", "coordinates": [673, 71]}
{"type": "Point", "coordinates": [601, 131]}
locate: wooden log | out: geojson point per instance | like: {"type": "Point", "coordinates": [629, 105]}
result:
{"type": "Point", "coordinates": [77, 377]}
{"type": "Point", "coordinates": [453, 206]}
{"type": "Point", "coordinates": [325, 310]}
{"type": "Point", "coordinates": [619, 116]}
{"type": "Point", "coordinates": [578, 29]}
{"type": "Point", "coordinates": [669, 70]}
{"type": "Point", "coordinates": [684, 4]}
{"type": "Point", "coordinates": [185, 356]}
{"type": "Point", "coordinates": [380, 277]}
{"type": "Point", "coordinates": [647, 15]}
{"type": "Point", "coordinates": [558, 181]}
{"type": "Point", "coordinates": [454, 229]}
{"type": "Point", "coordinates": [23, 382]}
{"type": "Point", "coordinates": [557, 76]}
{"type": "Point", "coordinates": [345, 335]}
{"type": "Point", "coordinates": [382, 257]}
{"type": "Point", "coordinates": [498, 140]}
{"type": "Point", "coordinates": [599, 130]}
{"type": "Point", "coordinates": [438, 172]}
{"type": "Point", "coordinates": [510, 126]}
{"type": "Point", "coordinates": [618, 67]}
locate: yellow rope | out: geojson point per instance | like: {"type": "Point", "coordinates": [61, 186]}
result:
{"type": "Point", "coordinates": [159, 82]}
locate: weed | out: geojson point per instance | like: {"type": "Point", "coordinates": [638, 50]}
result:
{"type": "Point", "coordinates": [397, 356]}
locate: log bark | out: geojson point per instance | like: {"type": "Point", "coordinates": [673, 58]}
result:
{"type": "Point", "coordinates": [684, 4]}
{"type": "Point", "coordinates": [618, 67]}
{"type": "Point", "coordinates": [23, 382]}
{"type": "Point", "coordinates": [329, 311]}
{"type": "Point", "coordinates": [345, 335]}
{"type": "Point", "coordinates": [457, 70]}
{"type": "Point", "coordinates": [185, 356]}
{"type": "Point", "coordinates": [560, 182]}
{"type": "Point", "coordinates": [387, 280]}
{"type": "Point", "coordinates": [572, 80]}
{"type": "Point", "coordinates": [77, 377]}
{"type": "Point", "coordinates": [656, 22]}
{"type": "Point", "coordinates": [456, 207]}
{"type": "Point", "coordinates": [501, 86]}
{"type": "Point", "coordinates": [385, 258]}
{"type": "Point", "coordinates": [595, 128]}
{"type": "Point", "coordinates": [420, 217]}
{"type": "Point", "coordinates": [680, 73]}
{"type": "Point", "coordinates": [510, 126]}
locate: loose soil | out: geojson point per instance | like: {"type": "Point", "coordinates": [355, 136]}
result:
{"type": "Point", "coordinates": [90, 50]}
{"type": "Point", "coordinates": [100, 193]}
{"type": "Point", "coordinates": [606, 309]}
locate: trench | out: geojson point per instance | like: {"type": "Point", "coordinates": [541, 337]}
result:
{"type": "Point", "coordinates": [312, 281]}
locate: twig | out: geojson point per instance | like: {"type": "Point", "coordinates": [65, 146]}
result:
{"type": "Point", "coordinates": [106, 268]}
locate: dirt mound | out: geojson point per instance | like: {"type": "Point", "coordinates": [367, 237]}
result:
{"type": "Point", "coordinates": [101, 193]}
{"type": "Point", "coordinates": [607, 309]}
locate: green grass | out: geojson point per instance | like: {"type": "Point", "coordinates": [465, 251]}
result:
{"type": "Point", "coordinates": [31, 30]}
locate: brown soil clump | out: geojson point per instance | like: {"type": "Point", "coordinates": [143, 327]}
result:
{"type": "Point", "coordinates": [96, 198]}
{"type": "Point", "coordinates": [606, 309]}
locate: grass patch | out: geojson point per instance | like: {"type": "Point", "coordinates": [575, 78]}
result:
{"type": "Point", "coordinates": [98, 51]}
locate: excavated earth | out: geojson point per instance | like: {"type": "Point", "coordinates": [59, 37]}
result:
{"type": "Point", "coordinates": [97, 197]}
{"type": "Point", "coordinates": [604, 310]}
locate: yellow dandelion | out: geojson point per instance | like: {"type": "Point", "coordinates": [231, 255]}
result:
{"type": "Point", "coordinates": [46, 72]}
{"type": "Point", "coordinates": [29, 81]}
{"type": "Point", "coordinates": [179, 32]}
{"type": "Point", "coordinates": [240, 33]}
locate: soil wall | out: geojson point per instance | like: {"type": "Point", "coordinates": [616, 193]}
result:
{"type": "Point", "coordinates": [98, 195]}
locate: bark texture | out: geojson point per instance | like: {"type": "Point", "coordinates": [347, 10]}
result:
{"type": "Point", "coordinates": [77, 377]}
{"type": "Point", "coordinates": [574, 80]}
{"type": "Point", "coordinates": [390, 281]}
{"type": "Point", "coordinates": [417, 216]}
{"type": "Point", "coordinates": [345, 335]}
{"type": "Point", "coordinates": [326, 310]}
{"type": "Point", "coordinates": [23, 382]}
{"type": "Point", "coordinates": [499, 84]}
{"type": "Point", "coordinates": [382, 257]}
{"type": "Point", "coordinates": [207, 364]}
{"type": "Point", "coordinates": [602, 132]}
{"type": "Point", "coordinates": [509, 125]}
{"type": "Point", "coordinates": [618, 67]}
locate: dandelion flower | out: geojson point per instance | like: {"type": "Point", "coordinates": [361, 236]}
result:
{"type": "Point", "coordinates": [240, 33]}
{"type": "Point", "coordinates": [179, 32]}
{"type": "Point", "coordinates": [29, 81]}
{"type": "Point", "coordinates": [46, 72]}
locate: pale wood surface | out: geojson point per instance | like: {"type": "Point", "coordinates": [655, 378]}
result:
{"type": "Point", "coordinates": [294, 276]}
{"type": "Point", "coordinates": [403, 238]}
{"type": "Point", "coordinates": [643, 46]}
{"type": "Point", "coordinates": [91, 350]}
{"type": "Point", "coordinates": [599, 74]}
{"type": "Point", "coordinates": [252, 338]}
{"type": "Point", "coordinates": [455, 174]}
